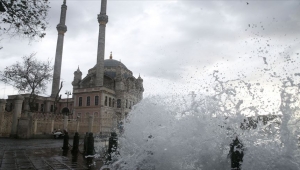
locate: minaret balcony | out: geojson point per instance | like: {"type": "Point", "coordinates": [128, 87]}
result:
{"type": "Point", "coordinates": [61, 28]}
{"type": "Point", "coordinates": [102, 19]}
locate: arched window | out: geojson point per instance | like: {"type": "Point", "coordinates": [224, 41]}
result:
{"type": "Point", "coordinates": [65, 111]}
{"type": "Point", "coordinates": [109, 102]}
{"type": "Point", "coordinates": [80, 101]}
{"type": "Point", "coordinates": [52, 108]}
{"type": "Point", "coordinates": [96, 100]}
{"type": "Point", "coordinates": [119, 103]}
{"type": "Point", "coordinates": [42, 107]}
{"type": "Point", "coordinates": [88, 101]}
{"type": "Point", "coordinates": [105, 101]}
{"type": "Point", "coordinates": [113, 103]}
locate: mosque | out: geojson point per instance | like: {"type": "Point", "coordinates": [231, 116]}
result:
{"type": "Point", "coordinates": [108, 91]}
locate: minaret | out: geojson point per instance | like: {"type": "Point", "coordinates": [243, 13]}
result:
{"type": "Point", "coordinates": [61, 29]}
{"type": "Point", "coordinates": [102, 20]}
{"type": "Point", "coordinates": [77, 78]}
{"type": "Point", "coordinates": [141, 88]}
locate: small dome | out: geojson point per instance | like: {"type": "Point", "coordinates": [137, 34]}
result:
{"type": "Point", "coordinates": [77, 71]}
{"type": "Point", "coordinates": [113, 63]}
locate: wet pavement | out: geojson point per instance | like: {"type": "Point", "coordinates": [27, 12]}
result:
{"type": "Point", "coordinates": [42, 154]}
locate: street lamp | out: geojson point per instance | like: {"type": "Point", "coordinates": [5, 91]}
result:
{"type": "Point", "coordinates": [68, 93]}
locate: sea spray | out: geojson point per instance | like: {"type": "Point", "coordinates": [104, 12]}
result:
{"type": "Point", "coordinates": [177, 133]}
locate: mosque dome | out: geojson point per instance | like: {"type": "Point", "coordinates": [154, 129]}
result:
{"type": "Point", "coordinates": [110, 68]}
{"type": "Point", "coordinates": [109, 63]}
{"type": "Point", "coordinates": [113, 63]}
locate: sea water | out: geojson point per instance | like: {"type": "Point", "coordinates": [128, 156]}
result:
{"type": "Point", "coordinates": [188, 132]}
{"type": "Point", "coordinates": [179, 132]}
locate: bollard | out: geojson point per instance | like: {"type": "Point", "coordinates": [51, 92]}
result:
{"type": "Point", "coordinates": [112, 146]}
{"type": "Point", "coordinates": [90, 145]}
{"type": "Point", "coordinates": [66, 141]}
{"type": "Point", "coordinates": [85, 142]}
{"type": "Point", "coordinates": [236, 154]}
{"type": "Point", "coordinates": [76, 143]}
{"type": "Point", "coordinates": [90, 162]}
{"type": "Point", "coordinates": [74, 159]}
{"type": "Point", "coordinates": [65, 153]}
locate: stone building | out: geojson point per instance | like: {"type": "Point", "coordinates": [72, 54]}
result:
{"type": "Point", "coordinates": [112, 101]}
{"type": "Point", "coordinates": [107, 92]}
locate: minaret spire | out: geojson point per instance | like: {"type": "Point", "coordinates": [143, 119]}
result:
{"type": "Point", "coordinates": [103, 7]}
{"type": "Point", "coordinates": [102, 20]}
{"type": "Point", "coordinates": [61, 29]}
{"type": "Point", "coordinates": [110, 57]}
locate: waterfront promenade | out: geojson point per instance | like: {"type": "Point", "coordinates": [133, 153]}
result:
{"type": "Point", "coordinates": [42, 154]}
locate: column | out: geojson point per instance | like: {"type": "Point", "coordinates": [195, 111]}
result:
{"type": "Point", "coordinates": [16, 114]}
{"type": "Point", "coordinates": [66, 118]}
{"type": "Point", "coordinates": [91, 123]}
{"type": "Point", "coordinates": [2, 110]}
{"type": "Point", "coordinates": [52, 125]}
{"type": "Point", "coordinates": [77, 125]}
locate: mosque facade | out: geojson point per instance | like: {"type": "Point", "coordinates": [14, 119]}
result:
{"type": "Point", "coordinates": [108, 91]}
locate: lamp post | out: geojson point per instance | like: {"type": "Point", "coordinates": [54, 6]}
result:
{"type": "Point", "coordinates": [68, 93]}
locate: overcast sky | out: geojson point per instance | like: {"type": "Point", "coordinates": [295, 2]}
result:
{"type": "Point", "coordinates": [173, 44]}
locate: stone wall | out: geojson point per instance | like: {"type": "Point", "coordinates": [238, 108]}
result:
{"type": "Point", "coordinates": [36, 124]}
{"type": "Point", "coordinates": [5, 124]}
{"type": "Point", "coordinates": [46, 123]}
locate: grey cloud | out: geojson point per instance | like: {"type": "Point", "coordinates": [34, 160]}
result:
{"type": "Point", "coordinates": [164, 38]}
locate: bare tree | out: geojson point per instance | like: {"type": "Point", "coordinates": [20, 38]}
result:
{"type": "Point", "coordinates": [25, 18]}
{"type": "Point", "coordinates": [29, 76]}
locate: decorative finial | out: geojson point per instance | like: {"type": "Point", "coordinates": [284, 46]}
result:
{"type": "Point", "coordinates": [64, 2]}
{"type": "Point", "coordinates": [78, 68]}
{"type": "Point", "coordinates": [110, 57]}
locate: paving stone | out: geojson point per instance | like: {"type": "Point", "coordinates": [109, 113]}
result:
{"type": "Point", "coordinates": [8, 166]}
{"type": "Point", "coordinates": [25, 167]}
{"type": "Point", "coordinates": [40, 155]}
{"type": "Point", "coordinates": [25, 164]}
{"type": "Point", "coordinates": [8, 161]}
{"type": "Point", "coordinates": [22, 161]}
